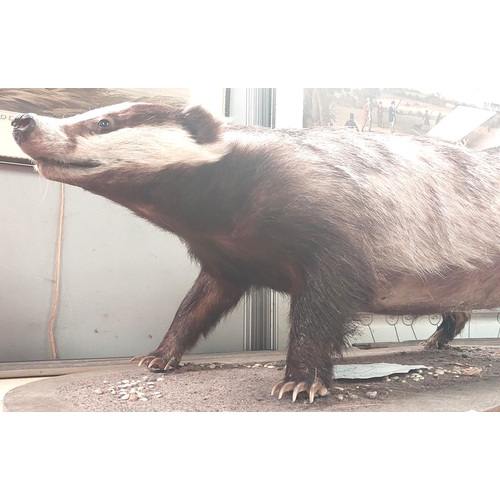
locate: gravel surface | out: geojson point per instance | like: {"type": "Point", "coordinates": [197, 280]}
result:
{"type": "Point", "coordinates": [244, 388]}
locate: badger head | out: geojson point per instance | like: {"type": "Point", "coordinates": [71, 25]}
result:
{"type": "Point", "coordinates": [129, 137]}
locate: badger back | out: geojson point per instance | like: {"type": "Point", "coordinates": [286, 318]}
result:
{"type": "Point", "coordinates": [417, 205]}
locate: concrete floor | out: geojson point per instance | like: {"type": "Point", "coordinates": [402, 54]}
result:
{"type": "Point", "coordinates": [480, 397]}
{"type": "Point", "coordinates": [26, 371]}
{"type": "Point", "coordinates": [10, 383]}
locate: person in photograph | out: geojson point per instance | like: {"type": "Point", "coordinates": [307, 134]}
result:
{"type": "Point", "coordinates": [351, 123]}
{"type": "Point", "coordinates": [380, 115]}
{"type": "Point", "coordinates": [367, 115]}
{"type": "Point", "coordinates": [426, 120]}
{"type": "Point", "coordinates": [392, 116]}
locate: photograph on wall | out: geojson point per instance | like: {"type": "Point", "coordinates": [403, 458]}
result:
{"type": "Point", "coordinates": [59, 102]}
{"type": "Point", "coordinates": [448, 116]}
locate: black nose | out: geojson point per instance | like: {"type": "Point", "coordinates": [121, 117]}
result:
{"type": "Point", "coordinates": [23, 127]}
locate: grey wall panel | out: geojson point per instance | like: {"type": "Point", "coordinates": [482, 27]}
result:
{"type": "Point", "coordinates": [122, 282]}
{"type": "Point", "coordinates": [283, 327]}
{"type": "Point", "coordinates": [121, 278]}
{"type": "Point", "coordinates": [29, 209]}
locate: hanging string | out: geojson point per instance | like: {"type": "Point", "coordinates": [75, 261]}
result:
{"type": "Point", "coordinates": [55, 298]}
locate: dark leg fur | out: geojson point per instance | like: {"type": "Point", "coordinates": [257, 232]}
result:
{"type": "Point", "coordinates": [202, 308]}
{"type": "Point", "coordinates": [450, 327]}
{"type": "Point", "coordinates": [319, 317]}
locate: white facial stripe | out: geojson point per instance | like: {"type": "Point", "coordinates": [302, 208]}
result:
{"type": "Point", "coordinates": [49, 128]}
{"type": "Point", "coordinates": [151, 147]}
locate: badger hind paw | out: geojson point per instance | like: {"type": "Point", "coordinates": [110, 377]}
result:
{"type": "Point", "coordinates": [317, 387]}
{"type": "Point", "coordinates": [152, 362]}
{"type": "Point", "coordinates": [434, 343]}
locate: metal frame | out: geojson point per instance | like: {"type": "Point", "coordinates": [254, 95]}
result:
{"type": "Point", "coordinates": [256, 107]}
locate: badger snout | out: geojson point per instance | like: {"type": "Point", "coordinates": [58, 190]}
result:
{"type": "Point", "coordinates": [24, 125]}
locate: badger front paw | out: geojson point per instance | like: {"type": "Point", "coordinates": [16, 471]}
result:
{"type": "Point", "coordinates": [316, 387]}
{"type": "Point", "coordinates": [155, 362]}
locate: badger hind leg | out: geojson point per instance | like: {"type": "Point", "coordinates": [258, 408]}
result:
{"type": "Point", "coordinates": [451, 325]}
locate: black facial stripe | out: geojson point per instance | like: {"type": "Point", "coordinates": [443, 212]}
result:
{"type": "Point", "coordinates": [135, 116]}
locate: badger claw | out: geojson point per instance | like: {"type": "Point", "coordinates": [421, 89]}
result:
{"type": "Point", "coordinates": [141, 359]}
{"type": "Point", "coordinates": [298, 388]}
{"type": "Point", "coordinates": [155, 362]}
{"type": "Point", "coordinates": [286, 387]}
{"type": "Point", "coordinates": [317, 387]}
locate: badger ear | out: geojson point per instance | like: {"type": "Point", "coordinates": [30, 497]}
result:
{"type": "Point", "coordinates": [201, 124]}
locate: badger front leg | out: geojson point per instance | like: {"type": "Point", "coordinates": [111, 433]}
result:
{"type": "Point", "coordinates": [205, 304]}
{"type": "Point", "coordinates": [318, 330]}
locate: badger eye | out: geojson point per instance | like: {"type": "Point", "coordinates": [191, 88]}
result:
{"type": "Point", "coordinates": [104, 123]}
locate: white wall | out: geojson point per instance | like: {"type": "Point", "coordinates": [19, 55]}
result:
{"type": "Point", "coordinates": [289, 107]}
{"type": "Point", "coordinates": [289, 114]}
{"type": "Point", "coordinates": [211, 98]}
